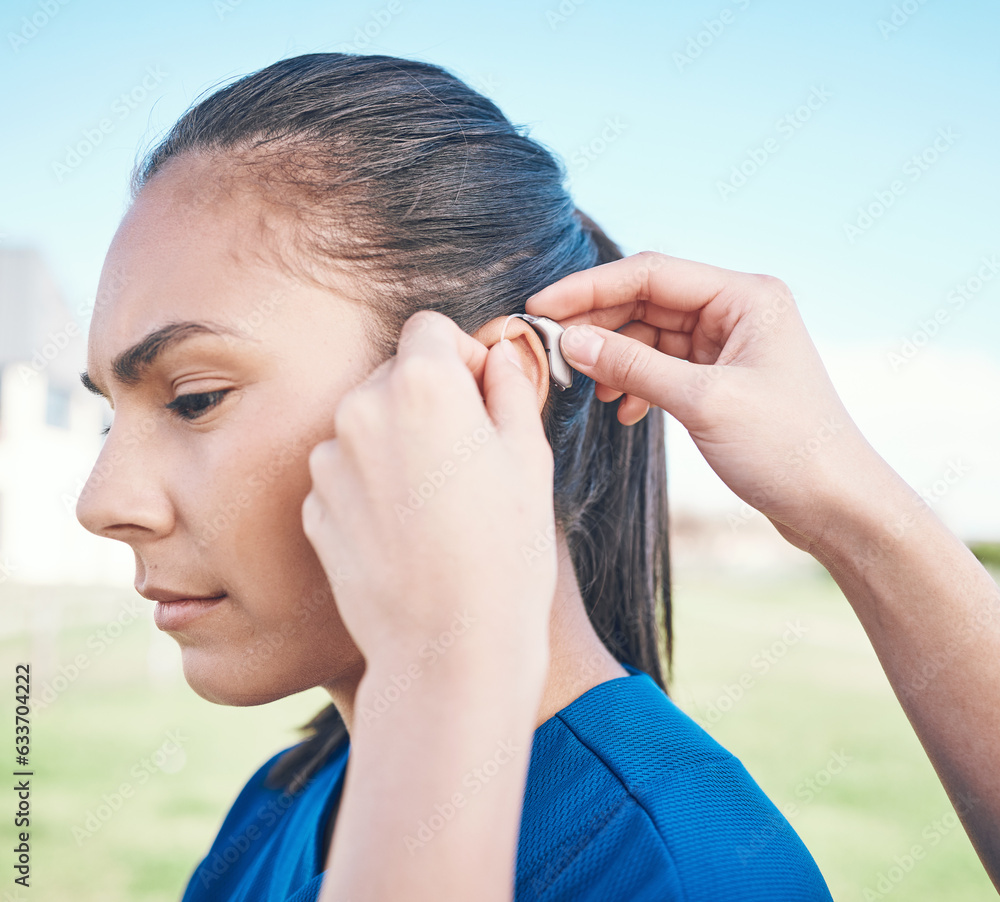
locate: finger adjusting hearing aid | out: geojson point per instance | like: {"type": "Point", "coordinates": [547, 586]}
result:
{"type": "Point", "coordinates": [560, 372]}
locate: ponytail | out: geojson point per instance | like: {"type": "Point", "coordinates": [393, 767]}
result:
{"type": "Point", "coordinates": [618, 531]}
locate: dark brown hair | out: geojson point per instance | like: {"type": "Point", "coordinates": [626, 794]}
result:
{"type": "Point", "coordinates": [401, 173]}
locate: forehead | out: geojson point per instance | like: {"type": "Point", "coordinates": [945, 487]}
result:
{"type": "Point", "coordinates": [195, 245]}
{"type": "Point", "coordinates": [185, 228]}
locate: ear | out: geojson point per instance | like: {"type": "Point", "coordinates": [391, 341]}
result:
{"type": "Point", "coordinates": [529, 348]}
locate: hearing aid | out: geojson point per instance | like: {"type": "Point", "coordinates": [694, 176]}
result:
{"type": "Point", "coordinates": [560, 372]}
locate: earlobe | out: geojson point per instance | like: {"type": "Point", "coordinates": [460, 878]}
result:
{"type": "Point", "coordinates": [528, 345]}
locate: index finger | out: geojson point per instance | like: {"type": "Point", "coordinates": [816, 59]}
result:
{"type": "Point", "coordinates": [430, 333]}
{"type": "Point", "coordinates": [669, 291]}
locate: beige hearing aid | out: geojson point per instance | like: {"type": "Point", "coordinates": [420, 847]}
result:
{"type": "Point", "coordinates": [560, 372]}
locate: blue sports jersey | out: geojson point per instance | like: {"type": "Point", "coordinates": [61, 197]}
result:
{"type": "Point", "coordinates": [626, 798]}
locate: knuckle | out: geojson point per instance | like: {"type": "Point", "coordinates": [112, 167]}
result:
{"type": "Point", "coordinates": [630, 365]}
{"type": "Point", "coordinates": [418, 380]}
{"type": "Point", "coordinates": [312, 512]}
{"type": "Point", "coordinates": [418, 323]}
{"type": "Point", "coordinates": [348, 418]}
{"type": "Point", "coordinates": [651, 257]}
{"type": "Point", "coordinates": [775, 287]}
{"type": "Point", "coordinates": [649, 262]}
{"type": "Point", "coordinates": [319, 457]}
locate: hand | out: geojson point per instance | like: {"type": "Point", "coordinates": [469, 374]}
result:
{"type": "Point", "coordinates": [422, 504]}
{"type": "Point", "coordinates": [728, 355]}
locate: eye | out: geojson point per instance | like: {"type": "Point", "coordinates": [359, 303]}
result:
{"type": "Point", "coordinates": [190, 406]}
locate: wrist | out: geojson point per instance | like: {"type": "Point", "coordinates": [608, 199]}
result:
{"type": "Point", "coordinates": [873, 519]}
{"type": "Point", "coordinates": [473, 647]}
{"type": "Point", "coordinates": [456, 679]}
{"type": "Point", "coordinates": [856, 497]}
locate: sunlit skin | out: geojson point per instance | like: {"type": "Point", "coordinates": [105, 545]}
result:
{"type": "Point", "coordinates": [211, 504]}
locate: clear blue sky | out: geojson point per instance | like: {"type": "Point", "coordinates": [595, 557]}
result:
{"type": "Point", "coordinates": [830, 103]}
{"type": "Point", "coordinates": [566, 70]}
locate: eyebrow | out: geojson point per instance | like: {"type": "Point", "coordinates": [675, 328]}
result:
{"type": "Point", "coordinates": [131, 365]}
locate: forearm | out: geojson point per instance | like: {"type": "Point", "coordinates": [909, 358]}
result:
{"type": "Point", "coordinates": [434, 787]}
{"type": "Point", "coordinates": [932, 613]}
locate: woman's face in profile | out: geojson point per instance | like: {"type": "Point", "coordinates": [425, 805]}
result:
{"type": "Point", "coordinates": [207, 490]}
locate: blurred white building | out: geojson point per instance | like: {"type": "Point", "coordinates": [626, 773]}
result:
{"type": "Point", "coordinates": [50, 435]}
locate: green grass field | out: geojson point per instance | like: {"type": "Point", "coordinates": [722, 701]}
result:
{"type": "Point", "coordinates": [132, 775]}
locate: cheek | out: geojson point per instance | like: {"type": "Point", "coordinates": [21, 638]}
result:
{"type": "Point", "coordinates": [251, 491]}
{"type": "Point", "coordinates": [266, 549]}
{"type": "Point", "coordinates": [285, 633]}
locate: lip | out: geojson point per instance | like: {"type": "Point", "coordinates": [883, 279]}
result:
{"type": "Point", "coordinates": [174, 615]}
{"type": "Point", "coordinates": [155, 593]}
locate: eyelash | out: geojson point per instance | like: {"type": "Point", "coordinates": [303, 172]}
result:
{"type": "Point", "coordinates": [184, 407]}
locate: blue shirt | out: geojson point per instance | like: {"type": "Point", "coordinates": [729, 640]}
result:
{"type": "Point", "coordinates": [626, 798]}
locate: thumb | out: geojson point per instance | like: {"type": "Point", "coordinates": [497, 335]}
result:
{"type": "Point", "coordinates": [628, 365]}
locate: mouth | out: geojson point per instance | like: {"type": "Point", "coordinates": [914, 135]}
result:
{"type": "Point", "coordinates": [174, 615]}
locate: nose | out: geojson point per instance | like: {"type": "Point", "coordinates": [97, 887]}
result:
{"type": "Point", "coordinates": [124, 497]}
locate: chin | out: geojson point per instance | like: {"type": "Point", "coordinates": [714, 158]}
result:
{"type": "Point", "coordinates": [226, 683]}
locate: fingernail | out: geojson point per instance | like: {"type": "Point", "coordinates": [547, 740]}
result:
{"type": "Point", "coordinates": [582, 344]}
{"type": "Point", "coordinates": [511, 354]}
